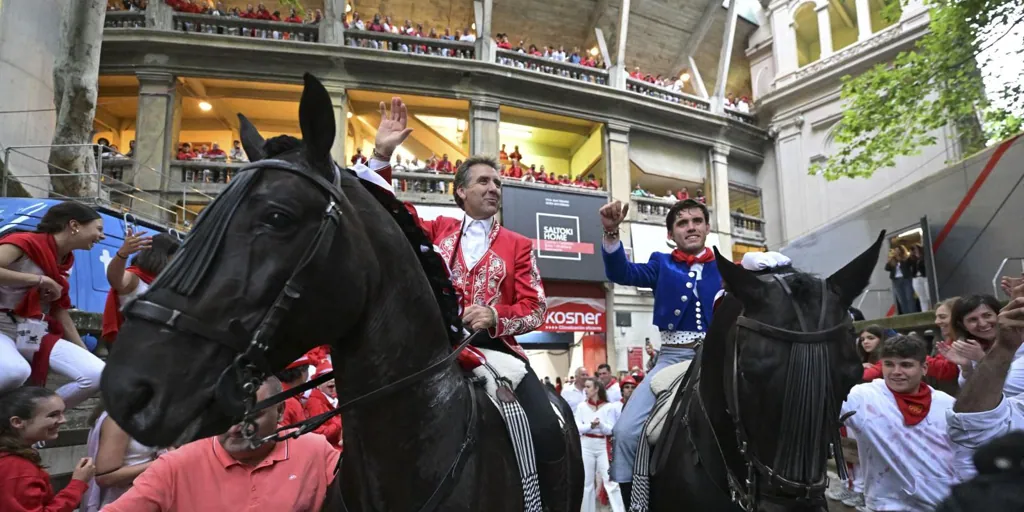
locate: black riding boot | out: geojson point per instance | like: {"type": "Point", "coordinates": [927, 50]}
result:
{"type": "Point", "coordinates": [626, 488]}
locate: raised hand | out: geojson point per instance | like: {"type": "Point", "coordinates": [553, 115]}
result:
{"type": "Point", "coordinates": [946, 349]}
{"type": "Point", "coordinates": [1012, 286]}
{"type": "Point", "coordinates": [134, 243]}
{"type": "Point", "coordinates": [393, 128]}
{"type": "Point", "coordinates": [1011, 324]}
{"type": "Point", "coordinates": [970, 349]}
{"type": "Point", "coordinates": [612, 215]}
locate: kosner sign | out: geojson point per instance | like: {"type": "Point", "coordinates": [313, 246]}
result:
{"type": "Point", "coordinates": [571, 314]}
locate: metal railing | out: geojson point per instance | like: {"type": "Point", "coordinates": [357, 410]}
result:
{"type": "Point", "coordinates": [747, 226]}
{"type": "Point", "coordinates": [996, 289]}
{"type": "Point", "coordinates": [652, 209]}
{"type": "Point", "coordinates": [124, 19]}
{"type": "Point", "coordinates": [552, 67]}
{"type": "Point", "coordinates": [409, 44]}
{"type": "Point", "coordinates": [111, 183]}
{"type": "Point", "coordinates": [661, 93]}
{"type": "Point", "coordinates": [245, 27]}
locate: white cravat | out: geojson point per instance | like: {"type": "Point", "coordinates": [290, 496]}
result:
{"type": "Point", "coordinates": [475, 240]}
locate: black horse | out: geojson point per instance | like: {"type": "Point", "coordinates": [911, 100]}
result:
{"type": "Point", "coordinates": [759, 414]}
{"type": "Point", "coordinates": [263, 274]}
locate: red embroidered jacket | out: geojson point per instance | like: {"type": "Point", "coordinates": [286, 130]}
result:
{"type": "Point", "coordinates": [505, 279]}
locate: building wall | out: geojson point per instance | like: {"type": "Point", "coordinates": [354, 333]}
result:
{"type": "Point", "coordinates": [29, 42]}
{"type": "Point", "coordinates": [666, 157]}
{"type": "Point", "coordinates": [966, 259]}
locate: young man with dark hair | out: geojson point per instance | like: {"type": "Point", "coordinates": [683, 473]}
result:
{"type": "Point", "coordinates": [611, 385]}
{"type": "Point", "coordinates": [686, 284]}
{"type": "Point", "coordinates": [900, 424]}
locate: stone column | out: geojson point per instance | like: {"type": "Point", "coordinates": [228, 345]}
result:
{"type": "Point", "coordinates": [785, 42]}
{"type": "Point", "coordinates": [617, 74]}
{"type": "Point", "coordinates": [824, 31]}
{"type": "Point", "coordinates": [863, 19]}
{"type": "Point", "coordinates": [339, 100]}
{"type": "Point", "coordinates": [724, 59]}
{"type": "Point", "coordinates": [484, 121]}
{"type": "Point", "coordinates": [485, 48]}
{"type": "Point", "coordinates": [332, 31]}
{"type": "Point", "coordinates": [721, 222]}
{"type": "Point", "coordinates": [154, 143]}
{"type": "Point", "coordinates": [159, 15]}
{"type": "Point", "coordinates": [618, 184]}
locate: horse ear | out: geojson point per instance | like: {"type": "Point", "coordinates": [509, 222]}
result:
{"type": "Point", "coordinates": [851, 280]}
{"type": "Point", "coordinates": [252, 141]}
{"type": "Point", "coordinates": [737, 280]}
{"type": "Point", "coordinates": [316, 118]}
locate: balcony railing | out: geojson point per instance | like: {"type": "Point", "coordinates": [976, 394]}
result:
{"type": "Point", "coordinates": [245, 27]}
{"type": "Point", "coordinates": [661, 93]}
{"type": "Point", "coordinates": [423, 187]}
{"type": "Point", "coordinates": [125, 19]}
{"type": "Point", "coordinates": [202, 172]}
{"type": "Point", "coordinates": [409, 44]}
{"type": "Point", "coordinates": [739, 116]}
{"type": "Point", "coordinates": [552, 67]}
{"type": "Point", "coordinates": [747, 227]}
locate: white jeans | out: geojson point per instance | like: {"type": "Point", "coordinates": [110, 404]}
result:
{"type": "Point", "coordinates": [595, 463]}
{"type": "Point", "coordinates": [66, 358]}
{"type": "Point", "coordinates": [920, 285]}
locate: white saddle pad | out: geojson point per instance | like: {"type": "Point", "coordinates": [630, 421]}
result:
{"type": "Point", "coordinates": [509, 367]}
{"type": "Point", "coordinates": [663, 383]}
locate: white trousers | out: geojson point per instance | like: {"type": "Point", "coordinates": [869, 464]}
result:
{"type": "Point", "coordinates": [66, 358]}
{"type": "Point", "coordinates": [920, 285]}
{"type": "Point", "coordinates": [595, 464]}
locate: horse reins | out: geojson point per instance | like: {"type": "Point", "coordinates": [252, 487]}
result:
{"type": "Point", "coordinates": [250, 366]}
{"type": "Point", "coordinates": [745, 492]}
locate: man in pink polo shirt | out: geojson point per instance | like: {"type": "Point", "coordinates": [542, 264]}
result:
{"type": "Point", "coordinates": [223, 473]}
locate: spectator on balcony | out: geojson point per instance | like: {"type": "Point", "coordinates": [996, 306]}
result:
{"type": "Point", "coordinates": [358, 158]}
{"type": "Point", "coordinates": [503, 42]}
{"type": "Point", "coordinates": [407, 29]}
{"type": "Point", "coordinates": [445, 165]}
{"type": "Point", "coordinates": [467, 35]}
{"type": "Point", "coordinates": [216, 153]}
{"type": "Point", "coordinates": [516, 155]}
{"type": "Point", "coordinates": [574, 57]}
{"type": "Point", "coordinates": [700, 196]}
{"type": "Point", "coordinates": [237, 153]}
{"type": "Point", "coordinates": [250, 12]}
{"type": "Point", "coordinates": [293, 17]}
{"type": "Point", "coordinates": [388, 26]}
{"type": "Point", "coordinates": [534, 51]}
{"type": "Point", "coordinates": [636, 74]}
{"type": "Point", "coordinates": [516, 171]}
{"type": "Point", "coordinates": [218, 10]}
{"type": "Point", "coordinates": [131, 149]}
{"type": "Point", "coordinates": [551, 179]}
{"type": "Point", "coordinates": [743, 105]}
{"type": "Point", "coordinates": [376, 25]}
{"type": "Point", "coordinates": [458, 163]}
{"type": "Point", "coordinates": [502, 155]}
{"type": "Point", "coordinates": [186, 153]}
{"type": "Point", "coordinates": [640, 192]}
{"type": "Point", "coordinates": [559, 55]}
{"type": "Point", "coordinates": [357, 23]}
{"type": "Point", "coordinates": [448, 34]}
{"type": "Point", "coordinates": [683, 194]}
{"type": "Point", "coordinates": [262, 13]}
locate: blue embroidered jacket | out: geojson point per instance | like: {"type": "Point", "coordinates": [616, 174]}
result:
{"type": "Point", "coordinates": [683, 298]}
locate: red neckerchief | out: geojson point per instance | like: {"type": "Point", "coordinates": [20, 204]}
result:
{"type": "Point", "coordinates": [914, 406]}
{"type": "Point", "coordinates": [596, 404]}
{"type": "Point", "coordinates": [704, 257]}
{"type": "Point", "coordinates": [610, 383]}
{"type": "Point", "coordinates": [112, 317]}
{"type": "Point", "coordinates": [41, 248]}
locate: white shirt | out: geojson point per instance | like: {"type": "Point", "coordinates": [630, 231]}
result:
{"type": "Point", "coordinates": [476, 235]}
{"type": "Point", "coordinates": [123, 298]}
{"type": "Point", "coordinates": [906, 468]}
{"type": "Point", "coordinates": [1014, 384]}
{"type": "Point", "coordinates": [573, 396]}
{"type": "Point", "coordinates": [585, 415]}
{"type": "Point", "coordinates": [970, 430]}
{"type": "Point", "coordinates": [614, 392]}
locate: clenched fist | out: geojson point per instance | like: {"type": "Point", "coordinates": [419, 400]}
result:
{"type": "Point", "coordinates": [612, 214]}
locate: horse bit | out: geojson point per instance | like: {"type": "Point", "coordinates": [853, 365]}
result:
{"type": "Point", "coordinates": [745, 494]}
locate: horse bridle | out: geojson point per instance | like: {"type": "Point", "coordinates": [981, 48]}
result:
{"type": "Point", "coordinates": [745, 492]}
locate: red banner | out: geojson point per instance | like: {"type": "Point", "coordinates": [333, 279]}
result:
{"type": "Point", "coordinates": [561, 246]}
{"type": "Point", "coordinates": [635, 358]}
{"type": "Point", "coordinates": [574, 314]}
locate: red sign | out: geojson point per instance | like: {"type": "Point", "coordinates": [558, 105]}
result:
{"type": "Point", "coordinates": [574, 314]}
{"type": "Point", "coordinates": [561, 246]}
{"type": "Point", "coordinates": [635, 357]}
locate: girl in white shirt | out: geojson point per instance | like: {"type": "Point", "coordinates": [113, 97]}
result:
{"type": "Point", "coordinates": [595, 419]}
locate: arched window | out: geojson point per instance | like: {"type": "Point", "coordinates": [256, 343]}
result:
{"type": "Point", "coordinates": [843, 18]}
{"type": "Point", "coordinates": [808, 42]}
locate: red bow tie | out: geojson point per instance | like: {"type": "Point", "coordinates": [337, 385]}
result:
{"type": "Point", "coordinates": [704, 257]}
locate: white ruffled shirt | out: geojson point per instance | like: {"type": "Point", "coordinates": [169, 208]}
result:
{"type": "Point", "coordinates": [476, 239]}
{"type": "Point", "coordinates": [585, 415]}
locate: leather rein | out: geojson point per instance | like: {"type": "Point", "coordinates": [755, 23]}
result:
{"type": "Point", "coordinates": [250, 367]}
{"type": "Point", "coordinates": [745, 492]}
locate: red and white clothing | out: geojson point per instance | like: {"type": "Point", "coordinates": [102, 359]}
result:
{"type": "Point", "coordinates": [906, 468]}
{"type": "Point", "coordinates": [614, 391]}
{"type": "Point", "coordinates": [19, 304]}
{"type": "Point", "coordinates": [25, 487]}
{"type": "Point", "coordinates": [594, 441]}
{"type": "Point", "coordinates": [319, 403]}
{"type": "Point", "coordinates": [294, 412]}
{"type": "Point", "coordinates": [112, 317]}
{"type": "Point", "coordinates": [495, 267]}
{"type": "Point", "coordinates": [573, 396]}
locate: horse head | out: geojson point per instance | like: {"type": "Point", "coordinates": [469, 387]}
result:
{"type": "Point", "coordinates": [281, 261]}
{"type": "Point", "coordinates": [787, 365]}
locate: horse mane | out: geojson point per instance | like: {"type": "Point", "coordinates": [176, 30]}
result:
{"type": "Point", "coordinates": [431, 262]}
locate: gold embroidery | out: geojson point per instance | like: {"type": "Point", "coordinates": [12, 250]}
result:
{"type": "Point", "coordinates": [525, 324]}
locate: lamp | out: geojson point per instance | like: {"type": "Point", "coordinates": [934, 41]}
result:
{"type": "Point", "coordinates": [685, 76]}
{"type": "Point", "coordinates": [593, 52]}
{"type": "Point", "coordinates": [348, 115]}
{"type": "Point", "coordinates": [204, 106]}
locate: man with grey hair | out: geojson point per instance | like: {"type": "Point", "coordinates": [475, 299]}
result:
{"type": "Point", "coordinates": [575, 394]}
{"type": "Point", "coordinates": [494, 271]}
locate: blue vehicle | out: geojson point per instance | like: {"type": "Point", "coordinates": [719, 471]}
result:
{"type": "Point", "coordinates": [88, 277]}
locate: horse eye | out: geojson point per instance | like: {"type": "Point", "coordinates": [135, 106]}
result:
{"type": "Point", "coordinates": [277, 219]}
